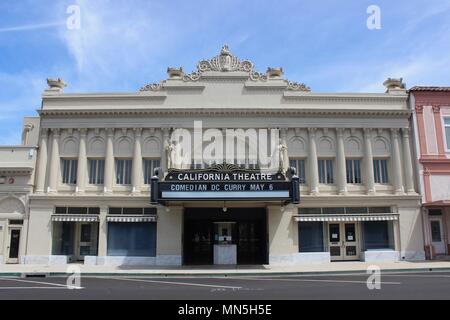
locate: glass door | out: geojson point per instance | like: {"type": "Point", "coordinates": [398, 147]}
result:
{"type": "Point", "coordinates": [436, 235]}
{"type": "Point", "coordinates": [335, 242]}
{"type": "Point", "coordinates": [350, 243]}
{"type": "Point", "coordinates": [13, 245]}
{"type": "Point", "coordinates": [343, 241]}
{"type": "Point", "coordinates": [87, 240]}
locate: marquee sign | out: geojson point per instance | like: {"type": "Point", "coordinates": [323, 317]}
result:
{"type": "Point", "coordinates": [224, 182]}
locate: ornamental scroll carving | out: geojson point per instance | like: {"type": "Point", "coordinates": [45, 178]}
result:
{"type": "Point", "coordinates": [225, 62]}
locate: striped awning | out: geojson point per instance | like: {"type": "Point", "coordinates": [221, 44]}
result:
{"type": "Point", "coordinates": [347, 217]}
{"type": "Point", "coordinates": [75, 217]}
{"type": "Point", "coordinates": [126, 218]}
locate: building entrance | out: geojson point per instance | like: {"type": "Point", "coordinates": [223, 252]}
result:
{"type": "Point", "coordinates": [238, 236]}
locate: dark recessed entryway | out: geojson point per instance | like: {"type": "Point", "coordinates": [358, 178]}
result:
{"type": "Point", "coordinates": [246, 227]}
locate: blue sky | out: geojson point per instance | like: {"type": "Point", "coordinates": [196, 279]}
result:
{"type": "Point", "coordinates": [125, 44]}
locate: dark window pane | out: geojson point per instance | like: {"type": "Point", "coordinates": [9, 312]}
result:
{"type": "Point", "coordinates": [436, 231]}
{"type": "Point", "coordinates": [310, 236]}
{"type": "Point", "coordinates": [85, 233]}
{"type": "Point", "coordinates": [333, 210]}
{"type": "Point", "coordinates": [132, 239]}
{"type": "Point", "coordinates": [379, 210]}
{"type": "Point", "coordinates": [149, 210]}
{"type": "Point", "coordinates": [60, 210]}
{"type": "Point", "coordinates": [310, 210]}
{"type": "Point", "coordinates": [302, 172]}
{"type": "Point", "coordinates": [335, 251]}
{"type": "Point", "coordinates": [63, 238]}
{"type": "Point", "coordinates": [355, 210]}
{"type": "Point", "coordinates": [132, 210]}
{"type": "Point", "coordinates": [94, 210]}
{"type": "Point", "coordinates": [115, 210]}
{"type": "Point", "coordinates": [350, 232]}
{"type": "Point", "coordinates": [435, 212]}
{"type": "Point", "coordinates": [76, 210]}
{"type": "Point", "coordinates": [376, 235]}
{"type": "Point", "coordinates": [334, 232]}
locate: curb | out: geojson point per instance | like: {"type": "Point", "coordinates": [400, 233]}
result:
{"type": "Point", "coordinates": [221, 274]}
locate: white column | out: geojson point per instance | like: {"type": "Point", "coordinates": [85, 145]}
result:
{"type": "Point", "coordinates": [341, 167]}
{"type": "Point", "coordinates": [396, 162]}
{"type": "Point", "coordinates": [109, 160]}
{"type": "Point", "coordinates": [407, 162]}
{"type": "Point", "coordinates": [164, 144]}
{"type": "Point", "coordinates": [82, 162]}
{"type": "Point", "coordinates": [54, 162]}
{"type": "Point", "coordinates": [42, 165]}
{"type": "Point", "coordinates": [137, 161]}
{"type": "Point", "coordinates": [312, 159]}
{"type": "Point", "coordinates": [103, 232]}
{"type": "Point", "coordinates": [368, 162]}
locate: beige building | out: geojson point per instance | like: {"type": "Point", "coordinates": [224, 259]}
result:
{"type": "Point", "coordinates": [16, 183]}
{"type": "Point", "coordinates": [98, 151]}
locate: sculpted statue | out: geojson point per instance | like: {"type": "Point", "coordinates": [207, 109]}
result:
{"type": "Point", "coordinates": [283, 157]}
{"type": "Point", "coordinates": [174, 159]}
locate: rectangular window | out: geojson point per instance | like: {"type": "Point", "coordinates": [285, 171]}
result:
{"type": "Point", "coordinates": [353, 167]}
{"type": "Point", "coordinates": [132, 239]}
{"type": "Point", "coordinates": [96, 171]}
{"type": "Point", "coordinates": [326, 171]}
{"type": "Point", "coordinates": [377, 235]}
{"type": "Point", "coordinates": [310, 237]}
{"type": "Point", "coordinates": [299, 165]}
{"type": "Point", "coordinates": [380, 171]}
{"type": "Point", "coordinates": [123, 171]}
{"type": "Point", "coordinates": [69, 171]}
{"type": "Point", "coordinates": [149, 169]}
{"type": "Point", "coordinates": [63, 235]}
{"type": "Point", "coordinates": [435, 231]}
{"type": "Point", "coordinates": [132, 211]}
{"type": "Point", "coordinates": [447, 131]}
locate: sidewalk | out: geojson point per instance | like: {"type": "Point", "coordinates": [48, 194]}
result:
{"type": "Point", "coordinates": [330, 268]}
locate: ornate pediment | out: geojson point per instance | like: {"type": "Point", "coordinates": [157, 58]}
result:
{"type": "Point", "coordinates": [226, 62]}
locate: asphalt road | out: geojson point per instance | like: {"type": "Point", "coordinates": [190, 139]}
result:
{"type": "Point", "coordinates": [431, 285]}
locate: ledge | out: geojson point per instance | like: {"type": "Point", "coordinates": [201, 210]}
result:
{"type": "Point", "coordinates": [283, 110]}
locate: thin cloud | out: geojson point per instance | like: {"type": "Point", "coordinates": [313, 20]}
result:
{"type": "Point", "coordinates": [32, 27]}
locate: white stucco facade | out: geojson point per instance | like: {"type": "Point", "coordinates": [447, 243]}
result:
{"type": "Point", "coordinates": [223, 92]}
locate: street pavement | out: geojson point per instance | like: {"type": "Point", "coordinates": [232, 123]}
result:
{"type": "Point", "coordinates": [406, 285]}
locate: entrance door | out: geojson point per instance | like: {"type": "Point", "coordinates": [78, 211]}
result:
{"type": "Point", "coordinates": [198, 242]}
{"type": "Point", "coordinates": [251, 242]}
{"type": "Point", "coordinates": [343, 241]}
{"type": "Point", "coordinates": [437, 239]}
{"type": "Point", "coordinates": [249, 234]}
{"type": "Point", "coordinates": [87, 240]}
{"type": "Point", "coordinates": [13, 245]}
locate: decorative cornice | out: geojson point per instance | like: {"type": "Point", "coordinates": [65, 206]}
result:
{"type": "Point", "coordinates": [419, 109]}
{"type": "Point", "coordinates": [18, 171]}
{"type": "Point", "coordinates": [436, 108]}
{"type": "Point", "coordinates": [227, 112]}
{"type": "Point", "coordinates": [225, 64]}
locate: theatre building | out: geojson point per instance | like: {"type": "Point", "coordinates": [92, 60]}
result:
{"type": "Point", "coordinates": [114, 187]}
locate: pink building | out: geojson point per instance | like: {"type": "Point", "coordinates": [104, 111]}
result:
{"type": "Point", "coordinates": [431, 107]}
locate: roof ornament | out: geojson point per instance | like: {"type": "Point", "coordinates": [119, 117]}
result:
{"type": "Point", "coordinates": [394, 85]}
{"type": "Point", "coordinates": [226, 62]}
{"type": "Point", "coordinates": [55, 85]}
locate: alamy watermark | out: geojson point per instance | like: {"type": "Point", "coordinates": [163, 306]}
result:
{"type": "Point", "coordinates": [374, 20]}
{"type": "Point", "coordinates": [74, 277]}
{"type": "Point", "coordinates": [257, 148]}
{"type": "Point", "coordinates": [73, 22]}
{"type": "Point", "coordinates": [374, 280]}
